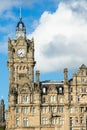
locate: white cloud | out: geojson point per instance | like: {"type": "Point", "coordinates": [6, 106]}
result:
{"type": "Point", "coordinates": [8, 4]}
{"type": "Point", "coordinates": [61, 37]}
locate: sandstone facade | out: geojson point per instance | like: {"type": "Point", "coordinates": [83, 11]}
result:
{"type": "Point", "coordinates": [47, 105]}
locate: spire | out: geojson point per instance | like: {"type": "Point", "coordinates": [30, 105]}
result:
{"type": "Point", "coordinates": [20, 14]}
{"type": "Point", "coordinates": [20, 29]}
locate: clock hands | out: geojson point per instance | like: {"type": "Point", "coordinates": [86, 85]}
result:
{"type": "Point", "coordinates": [21, 52]}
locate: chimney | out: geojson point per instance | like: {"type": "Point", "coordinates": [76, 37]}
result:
{"type": "Point", "coordinates": [65, 75]}
{"type": "Point", "coordinates": [37, 76]}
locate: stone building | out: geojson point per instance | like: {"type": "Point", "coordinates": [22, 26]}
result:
{"type": "Point", "coordinates": [2, 112]}
{"type": "Point", "coordinates": [47, 105]}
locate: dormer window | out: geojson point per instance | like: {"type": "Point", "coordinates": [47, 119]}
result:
{"type": "Point", "coordinates": [60, 90]}
{"type": "Point", "coordinates": [44, 90]}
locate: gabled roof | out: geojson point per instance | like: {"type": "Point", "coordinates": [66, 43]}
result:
{"type": "Point", "coordinates": [83, 66]}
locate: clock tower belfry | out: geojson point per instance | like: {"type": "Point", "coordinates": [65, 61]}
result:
{"type": "Point", "coordinates": [21, 73]}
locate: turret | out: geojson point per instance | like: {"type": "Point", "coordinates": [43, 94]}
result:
{"type": "Point", "coordinates": [20, 29]}
{"type": "Point", "coordinates": [37, 76]}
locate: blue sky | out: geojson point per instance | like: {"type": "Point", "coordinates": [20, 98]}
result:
{"type": "Point", "coordinates": [59, 28]}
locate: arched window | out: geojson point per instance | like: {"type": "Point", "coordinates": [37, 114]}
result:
{"type": "Point", "coordinates": [44, 90]}
{"type": "Point", "coordinates": [25, 99]}
{"type": "Point", "coordinates": [20, 67]}
{"type": "Point", "coordinates": [23, 67]}
{"type": "Point", "coordinates": [60, 90]}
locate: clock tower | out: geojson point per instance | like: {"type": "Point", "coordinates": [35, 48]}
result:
{"type": "Point", "coordinates": [21, 76]}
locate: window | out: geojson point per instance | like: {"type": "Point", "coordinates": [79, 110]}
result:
{"type": "Point", "coordinates": [71, 123]}
{"type": "Point", "coordinates": [60, 109]}
{"type": "Point", "coordinates": [44, 120]}
{"type": "Point", "coordinates": [17, 67]}
{"type": "Point", "coordinates": [76, 119]}
{"type": "Point", "coordinates": [23, 67]}
{"type": "Point", "coordinates": [71, 110]}
{"type": "Point", "coordinates": [25, 110]}
{"type": "Point", "coordinates": [71, 98]}
{"type": "Point", "coordinates": [81, 120]}
{"type": "Point", "coordinates": [20, 68]}
{"type": "Point", "coordinates": [43, 100]}
{"type": "Point", "coordinates": [61, 121]}
{"type": "Point", "coordinates": [76, 109]}
{"type": "Point", "coordinates": [55, 120]}
{"type": "Point", "coordinates": [33, 110]}
{"type": "Point", "coordinates": [17, 122]}
{"type": "Point", "coordinates": [60, 90]}
{"type": "Point", "coordinates": [83, 90]}
{"type": "Point", "coordinates": [14, 69]}
{"type": "Point", "coordinates": [60, 100]}
{"type": "Point", "coordinates": [44, 90]}
{"type": "Point", "coordinates": [21, 76]}
{"type": "Point", "coordinates": [71, 90]}
{"type": "Point", "coordinates": [25, 99]}
{"type": "Point", "coordinates": [25, 122]}
{"type": "Point", "coordinates": [44, 110]}
{"type": "Point", "coordinates": [82, 109]}
{"type": "Point", "coordinates": [78, 99]}
{"type": "Point", "coordinates": [14, 78]}
{"type": "Point", "coordinates": [86, 109]}
{"type": "Point", "coordinates": [52, 109]}
{"type": "Point", "coordinates": [83, 80]}
{"type": "Point", "coordinates": [17, 111]}
{"type": "Point", "coordinates": [35, 99]}
{"type": "Point", "coordinates": [52, 98]}
{"type": "Point", "coordinates": [27, 68]}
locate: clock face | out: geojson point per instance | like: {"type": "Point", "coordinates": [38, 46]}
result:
{"type": "Point", "coordinates": [21, 52]}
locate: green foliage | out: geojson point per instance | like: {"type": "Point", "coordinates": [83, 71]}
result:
{"type": "Point", "coordinates": [2, 128]}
